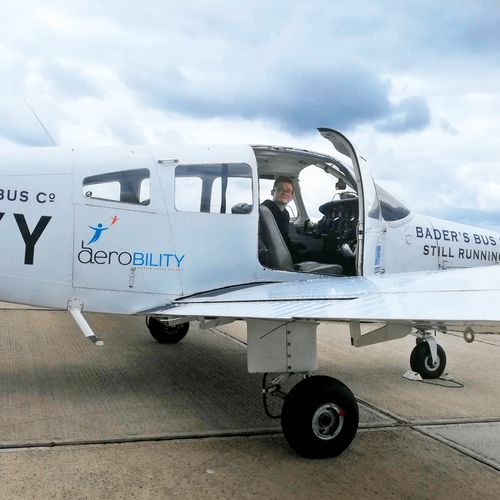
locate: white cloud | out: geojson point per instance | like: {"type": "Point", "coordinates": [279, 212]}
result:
{"type": "Point", "coordinates": [414, 85]}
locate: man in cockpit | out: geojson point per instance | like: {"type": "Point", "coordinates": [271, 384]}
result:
{"type": "Point", "coordinates": [282, 195]}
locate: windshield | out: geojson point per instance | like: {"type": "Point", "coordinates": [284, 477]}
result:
{"type": "Point", "coordinates": [391, 208]}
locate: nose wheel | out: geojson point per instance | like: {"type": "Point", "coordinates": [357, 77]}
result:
{"type": "Point", "coordinates": [320, 417]}
{"type": "Point", "coordinates": [423, 362]}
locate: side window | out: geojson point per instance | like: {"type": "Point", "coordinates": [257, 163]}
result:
{"type": "Point", "coordinates": [125, 186]}
{"type": "Point", "coordinates": [215, 188]}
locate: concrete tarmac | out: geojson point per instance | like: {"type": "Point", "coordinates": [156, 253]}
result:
{"type": "Point", "coordinates": [136, 419]}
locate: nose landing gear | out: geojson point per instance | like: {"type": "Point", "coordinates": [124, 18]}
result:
{"type": "Point", "coordinates": [428, 357]}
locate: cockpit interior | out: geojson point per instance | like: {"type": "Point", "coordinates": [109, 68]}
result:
{"type": "Point", "coordinates": [324, 213]}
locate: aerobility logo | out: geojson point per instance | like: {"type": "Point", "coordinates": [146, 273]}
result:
{"type": "Point", "coordinates": [162, 261]}
{"type": "Point", "coordinates": [100, 229]}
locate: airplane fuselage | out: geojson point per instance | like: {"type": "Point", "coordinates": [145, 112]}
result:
{"type": "Point", "coordinates": [122, 229]}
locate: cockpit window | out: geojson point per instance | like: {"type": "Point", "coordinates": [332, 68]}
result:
{"type": "Point", "coordinates": [224, 188]}
{"type": "Point", "coordinates": [391, 208]}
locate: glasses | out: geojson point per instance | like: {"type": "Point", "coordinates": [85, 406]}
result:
{"type": "Point", "coordinates": [282, 191]}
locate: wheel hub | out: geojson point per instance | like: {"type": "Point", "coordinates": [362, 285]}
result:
{"type": "Point", "coordinates": [327, 421]}
{"type": "Point", "coordinates": [429, 365]}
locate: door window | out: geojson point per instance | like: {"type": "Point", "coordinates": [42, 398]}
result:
{"type": "Point", "coordinates": [222, 188]}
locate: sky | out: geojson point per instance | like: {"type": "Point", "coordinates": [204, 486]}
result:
{"type": "Point", "coordinates": [414, 85]}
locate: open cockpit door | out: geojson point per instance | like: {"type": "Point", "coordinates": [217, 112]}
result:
{"type": "Point", "coordinates": [370, 228]}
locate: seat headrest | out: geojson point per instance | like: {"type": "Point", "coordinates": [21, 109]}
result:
{"type": "Point", "coordinates": [241, 208]}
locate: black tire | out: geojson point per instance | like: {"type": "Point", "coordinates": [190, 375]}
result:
{"type": "Point", "coordinates": [166, 334]}
{"type": "Point", "coordinates": [320, 417]}
{"type": "Point", "coordinates": [421, 361]}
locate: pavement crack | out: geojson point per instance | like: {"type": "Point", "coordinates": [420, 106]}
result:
{"type": "Point", "coordinates": [458, 447]}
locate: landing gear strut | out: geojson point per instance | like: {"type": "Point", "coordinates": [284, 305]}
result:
{"type": "Point", "coordinates": [165, 333]}
{"type": "Point", "coordinates": [319, 417]}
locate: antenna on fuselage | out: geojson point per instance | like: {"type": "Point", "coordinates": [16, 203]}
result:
{"type": "Point", "coordinates": [53, 143]}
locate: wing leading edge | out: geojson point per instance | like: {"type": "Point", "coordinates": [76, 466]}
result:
{"type": "Point", "coordinates": [455, 299]}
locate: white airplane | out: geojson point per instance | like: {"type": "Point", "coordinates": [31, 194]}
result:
{"type": "Point", "coordinates": [178, 234]}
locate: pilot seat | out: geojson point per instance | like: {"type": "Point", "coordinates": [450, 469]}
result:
{"type": "Point", "coordinates": [274, 253]}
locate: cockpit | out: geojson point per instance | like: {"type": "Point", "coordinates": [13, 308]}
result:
{"type": "Point", "coordinates": [335, 220]}
{"type": "Point", "coordinates": [323, 215]}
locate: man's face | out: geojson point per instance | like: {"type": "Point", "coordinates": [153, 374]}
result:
{"type": "Point", "coordinates": [283, 193]}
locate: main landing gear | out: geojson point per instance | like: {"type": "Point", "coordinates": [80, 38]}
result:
{"type": "Point", "coordinates": [428, 357]}
{"type": "Point", "coordinates": [319, 417]}
{"type": "Point", "coordinates": [164, 333]}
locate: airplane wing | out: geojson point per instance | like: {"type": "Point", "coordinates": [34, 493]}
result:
{"type": "Point", "coordinates": [454, 299]}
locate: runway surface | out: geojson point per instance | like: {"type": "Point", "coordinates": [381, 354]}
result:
{"type": "Point", "coordinates": [136, 419]}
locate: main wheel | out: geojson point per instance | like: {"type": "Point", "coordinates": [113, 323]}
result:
{"type": "Point", "coordinates": [165, 334]}
{"type": "Point", "coordinates": [421, 361]}
{"type": "Point", "coordinates": [320, 417]}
